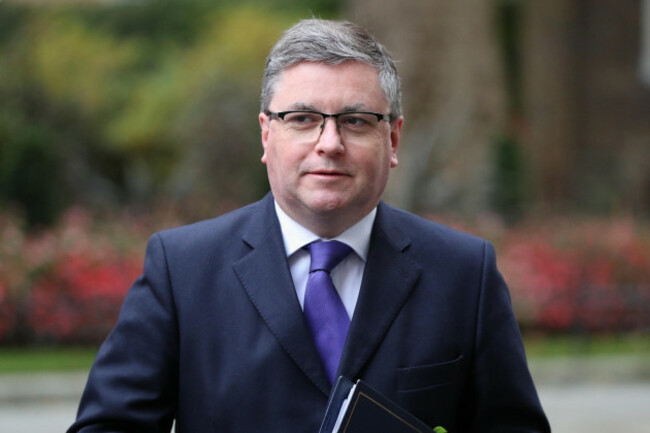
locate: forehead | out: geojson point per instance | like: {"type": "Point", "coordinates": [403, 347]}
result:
{"type": "Point", "coordinates": [348, 85]}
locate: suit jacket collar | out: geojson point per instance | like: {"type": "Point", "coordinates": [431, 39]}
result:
{"type": "Point", "coordinates": [264, 273]}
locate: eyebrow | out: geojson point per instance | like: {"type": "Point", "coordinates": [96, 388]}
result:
{"type": "Point", "coordinates": [356, 107]}
{"type": "Point", "coordinates": [302, 106]}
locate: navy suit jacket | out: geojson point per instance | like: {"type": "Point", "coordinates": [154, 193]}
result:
{"type": "Point", "coordinates": [212, 334]}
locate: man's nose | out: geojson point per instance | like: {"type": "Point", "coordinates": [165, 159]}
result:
{"type": "Point", "coordinates": [330, 141]}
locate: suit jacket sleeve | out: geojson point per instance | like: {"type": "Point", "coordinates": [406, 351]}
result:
{"type": "Point", "coordinates": [132, 385]}
{"type": "Point", "coordinates": [505, 396]}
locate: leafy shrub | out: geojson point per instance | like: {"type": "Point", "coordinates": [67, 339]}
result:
{"type": "Point", "coordinates": [78, 298]}
{"type": "Point", "coordinates": [579, 276]}
{"type": "Point", "coordinates": [66, 284]}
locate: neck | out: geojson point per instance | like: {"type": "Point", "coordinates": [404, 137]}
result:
{"type": "Point", "coordinates": [325, 225]}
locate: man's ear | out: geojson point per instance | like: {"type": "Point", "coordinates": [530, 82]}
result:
{"type": "Point", "coordinates": [264, 126]}
{"type": "Point", "coordinates": [395, 135]}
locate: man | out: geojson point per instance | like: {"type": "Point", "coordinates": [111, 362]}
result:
{"type": "Point", "coordinates": [224, 331]}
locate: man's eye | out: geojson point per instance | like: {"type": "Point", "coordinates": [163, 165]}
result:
{"type": "Point", "coordinates": [302, 119]}
{"type": "Point", "coordinates": [355, 121]}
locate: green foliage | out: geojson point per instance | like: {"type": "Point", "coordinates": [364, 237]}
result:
{"type": "Point", "coordinates": [192, 121]}
{"type": "Point", "coordinates": [14, 360]}
{"type": "Point", "coordinates": [50, 115]}
{"type": "Point", "coordinates": [158, 22]}
{"type": "Point", "coordinates": [11, 20]}
{"type": "Point", "coordinates": [587, 345]}
{"type": "Point", "coordinates": [508, 23]}
{"type": "Point", "coordinates": [136, 102]}
{"type": "Point", "coordinates": [30, 173]}
{"type": "Point", "coordinates": [228, 51]}
{"type": "Point", "coordinates": [79, 66]}
{"type": "Point", "coordinates": [509, 183]}
{"type": "Point", "coordinates": [318, 8]}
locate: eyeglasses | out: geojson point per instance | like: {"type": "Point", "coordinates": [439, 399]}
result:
{"type": "Point", "coordinates": [307, 126]}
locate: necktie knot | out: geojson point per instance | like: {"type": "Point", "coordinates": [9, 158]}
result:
{"type": "Point", "coordinates": [325, 255]}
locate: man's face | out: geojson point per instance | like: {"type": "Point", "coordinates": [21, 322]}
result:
{"type": "Point", "coordinates": [330, 183]}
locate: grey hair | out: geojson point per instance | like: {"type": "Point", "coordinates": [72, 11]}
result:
{"type": "Point", "coordinates": [332, 43]}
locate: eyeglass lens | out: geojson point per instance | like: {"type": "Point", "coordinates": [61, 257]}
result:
{"type": "Point", "coordinates": [308, 126]}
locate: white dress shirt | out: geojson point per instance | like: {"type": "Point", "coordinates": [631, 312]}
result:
{"type": "Point", "coordinates": [346, 275]}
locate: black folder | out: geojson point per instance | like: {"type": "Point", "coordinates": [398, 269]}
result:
{"type": "Point", "coordinates": [362, 409]}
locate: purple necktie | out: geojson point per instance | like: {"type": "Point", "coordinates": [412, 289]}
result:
{"type": "Point", "coordinates": [326, 316]}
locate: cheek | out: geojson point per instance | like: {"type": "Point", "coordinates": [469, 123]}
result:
{"type": "Point", "coordinates": [282, 160]}
{"type": "Point", "coordinates": [375, 162]}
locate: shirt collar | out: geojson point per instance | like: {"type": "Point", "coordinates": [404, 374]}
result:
{"type": "Point", "coordinates": [296, 236]}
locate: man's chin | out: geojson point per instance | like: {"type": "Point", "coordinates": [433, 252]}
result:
{"type": "Point", "coordinates": [327, 206]}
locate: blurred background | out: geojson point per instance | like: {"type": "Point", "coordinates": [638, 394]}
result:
{"type": "Point", "coordinates": [527, 123]}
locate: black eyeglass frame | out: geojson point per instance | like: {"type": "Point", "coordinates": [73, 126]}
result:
{"type": "Point", "coordinates": [280, 114]}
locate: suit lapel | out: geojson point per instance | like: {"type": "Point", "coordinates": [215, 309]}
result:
{"type": "Point", "coordinates": [389, 277]}
{"type": "Point", "coordinates": [264, 273]}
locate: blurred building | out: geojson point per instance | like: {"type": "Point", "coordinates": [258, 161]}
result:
{"type": "Point", "coordinates": [566, 83]}
{"type": "Point", "coordinates": [587, 103]}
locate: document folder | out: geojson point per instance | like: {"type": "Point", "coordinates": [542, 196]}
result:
{"type": "Point", "coordinates": [358, 408]}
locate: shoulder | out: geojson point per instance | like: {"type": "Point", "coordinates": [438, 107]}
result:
{"type": "Point", "coordinates": [427, 242]}
{"type": "Point", "coordinates": [398, 222]}
{"type": "Point", "coordinates": [223, 232]}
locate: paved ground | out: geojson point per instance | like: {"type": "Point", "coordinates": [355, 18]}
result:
{"type": "Point", "coordinates": [37, 417]}
{"type": "Point", "coordinates": [595, 395]}
{"type": "Point", "coordinates": [39, 403]}
{"type": "Point", "coordinates": [579, 395]}
{"type": "Point", "coordinates": [597, 408]}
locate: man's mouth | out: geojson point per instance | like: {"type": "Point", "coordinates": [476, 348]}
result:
{"type": "Point", "coordinates": [327, 173]}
